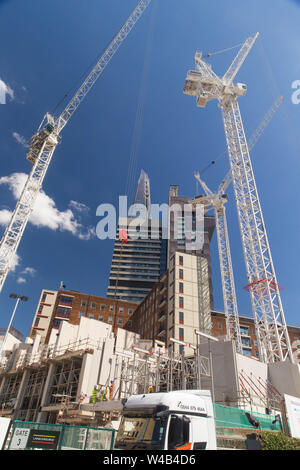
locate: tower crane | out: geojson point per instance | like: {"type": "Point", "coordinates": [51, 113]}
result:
{"type": "Point", "coordinates": [205, 85]}
{"type": "Point", "coordinates": [42, 144]}
{"type": "Point", "coordinates": [217, 201]}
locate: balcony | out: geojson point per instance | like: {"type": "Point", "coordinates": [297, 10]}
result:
{"type": "Point", "coordinates": [162, 330]}
{"type": "Point", "coordinates": [161, 316]}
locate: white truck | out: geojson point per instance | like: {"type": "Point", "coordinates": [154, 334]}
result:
{"type": "Point", "coordinates": [179, 420]}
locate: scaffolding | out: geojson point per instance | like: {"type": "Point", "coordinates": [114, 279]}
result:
{"type": "Point", "coordinates": [258, 392]}
{"type": "Point", "coordinates": [140, 372]}
{"type": "Point", "coordinates": [29, 407]}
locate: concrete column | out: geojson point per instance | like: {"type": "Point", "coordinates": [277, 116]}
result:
{"type": "Point", "coordinates": [41, 418]}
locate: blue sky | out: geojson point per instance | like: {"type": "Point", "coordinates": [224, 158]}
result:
{"type": "Point", "coordinates": [46, 47]}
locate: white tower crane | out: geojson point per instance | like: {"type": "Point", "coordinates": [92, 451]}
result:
{"type": "Point", "coordinates": [217, 201]}
{"type": "Point", "coordinates": [44, 142]}
{"type": "Point", "coordinates": [205, 85]}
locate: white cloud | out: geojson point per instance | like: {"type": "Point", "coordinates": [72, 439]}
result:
{"type": "Point", "coordinates": [20, 139]}
{"type": "Point", "coordinates": [5, 216]}
{"type": "Point", "coordinates": [21, 280]}
{"type": "Point", "coordinates": [79, 206]}
{"type": "Point", "coordinates": [45, 212]}
{"type": "Point", "coordinates": [15, 262]}
{"type": "Point", "coordinates": [29, 271]}
{"type": "Point", "coordinates": [6, 89]}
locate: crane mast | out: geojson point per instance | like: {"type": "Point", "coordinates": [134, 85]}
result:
{"type": "Point", "coordinates": [272, 334]}
{"type": "Point", "coordinates": [217, 201]}
{"type": "Point", "coordinates": [43, 143]}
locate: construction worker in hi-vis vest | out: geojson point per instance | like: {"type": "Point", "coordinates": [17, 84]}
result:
{"type": "Point", "coordinates": [111, 390]}
{"type": "Point", "coordinates": [94, 395]}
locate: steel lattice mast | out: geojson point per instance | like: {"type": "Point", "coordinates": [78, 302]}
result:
{"type": "Point", "coordinates": [44, 142]}
{"type": "Point", "coordinates": [217, 201]}
{"type": "Point", "coordinates": [272, 334]}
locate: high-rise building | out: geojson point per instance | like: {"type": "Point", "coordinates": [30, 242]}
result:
{"type": "Point", "coordinates": [142, 195]}
{"type": "Point", "coordinates": [179, 227]}
{"type": "Point", "coordinates": [140, 262]}
{"type": "Point", "coordinates": [137, 264]}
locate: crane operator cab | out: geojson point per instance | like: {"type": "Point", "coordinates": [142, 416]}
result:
{"type": "Point", "coordinates": [180, 420]}
{"type": "Point", "coordinates": [36, 142]}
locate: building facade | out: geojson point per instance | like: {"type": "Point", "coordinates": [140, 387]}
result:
{"type": "Point", "coordinates": [69, 306]}
{"type": "Point", "coordinates": [248, 334]}
{"type": "Point", "coordinates": [177, 305]}
{"type": "Point", "coordinates": [178, 229]}
{"type": "Point", "coordinates": [137, 264]}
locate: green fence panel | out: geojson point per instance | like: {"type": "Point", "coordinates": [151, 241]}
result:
{"type": "Point", "coordinates": [100, 439]}
{"type": "Point", "coordinates": [229, 417]}
{"type": "Point", "coordinates": [60, 436]}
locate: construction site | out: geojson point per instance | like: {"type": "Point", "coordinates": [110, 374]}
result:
{"type": "Point", "coordinates": [79, 371]}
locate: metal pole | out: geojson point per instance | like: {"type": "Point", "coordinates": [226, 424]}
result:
{"type": "Point", "coordinates": [10, 322]}
{"type": "Point", "coordinates": [211, 373]}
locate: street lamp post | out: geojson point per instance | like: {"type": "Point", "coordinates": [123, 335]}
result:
{"type": "Point", "coordinates": [18, 297]}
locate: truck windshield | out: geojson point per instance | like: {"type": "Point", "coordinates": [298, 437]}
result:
{"type": "Point", "coordinates": [140, 433]}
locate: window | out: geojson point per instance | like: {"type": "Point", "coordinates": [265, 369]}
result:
{"type": "Point", "coordinates": [212, 324]}
{"type": "Point", "coordinates": [91, 315]}
{"type": "Point", "coordinates": [81, 314]}
{"type": "Point", "coordinates": [93, 304]}
{"type": "Point", "coordinates": [83, 303]}
{"type": "Point", "coordinates": [110, 319]}
{"type": "Point", "coordinates": [181, 318]}
{"type": "Point", "coordinates": [65, 300]}
{"type": "Point", "coordinates": [63, 312]}
{"type": "Point", "coordinates": [121, 309]}
{"type": "Point", "coordinates": [129, 323]}
{"type": "Point", "coordinates": [56, 323]}
{"type": "Point", "coordinates": [40, 308]}
{"type": "Point", "coordinates": [220, 326]}
{"type": "Point", "coordinates": [180, 273]}
{"type": "Point", "coordinates": [44, 297]}
{"type": "Point", "coordinates": [111, 308]}
{"type": "Point", "coordinates": [247, 352]}
{"type": "Point", "coordinates": [180, 302]}
{"type": "Point", "coordinates": [37, 321]}
{"type": "Point", "coordinates": [246, 342]}
{"type": "Point", "coordinates": [181, 287]}
{"type": "Point", "coordinates": [101, 317]}
{"type": "Point", "coordinates": [120, 321]}
{"type": "Point", "coordinates": [130, 311]}
{"type": "Point", "coordinates": [181, 260]}
{"type": "Point", "coordinates": [181, 334]}
{"type": "Point", "coordinates": [181, 349]}
{"type": "Point", "coordinates": [102, 306]}
{"type": "Point", "coordinates": [244, 330]}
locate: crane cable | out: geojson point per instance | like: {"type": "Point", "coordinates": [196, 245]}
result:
{"type": "Point", "coordinates": [223, 50]}
{"type": "Point", "coordinates": [84, 74]}
{"type": "Point", "coordinates": [138, 125]}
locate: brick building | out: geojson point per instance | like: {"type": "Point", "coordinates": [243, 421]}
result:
{"type": "Point", "coordinates": [248, 333]}
{"type": "Point", "coordinates": [67, 305]}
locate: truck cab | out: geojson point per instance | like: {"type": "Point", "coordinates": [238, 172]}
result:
{"type": "Point", "coordinates": [179, 420]}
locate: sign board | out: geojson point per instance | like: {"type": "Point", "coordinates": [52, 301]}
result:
{"type": "Point", "coordinates": [4, 426]}
{"type": "Point", "coordinates": [19, 438]}
{"type": "Point", "coordinates": [43, 439]}
{"type": "Point", "coordinates": [293, 413]}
